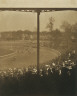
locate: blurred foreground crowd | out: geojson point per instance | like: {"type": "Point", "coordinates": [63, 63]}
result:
{"type": "Point", "coordinates": [57, 78]}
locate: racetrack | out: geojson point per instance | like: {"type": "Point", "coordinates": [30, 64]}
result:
{"type": "Point", "coordinates": [4, 51]}
{"type": "Point", "coordinates": [27, 57]}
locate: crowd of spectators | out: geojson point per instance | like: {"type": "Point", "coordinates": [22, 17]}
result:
{"type": "Point", "coordinates": [56, 77]}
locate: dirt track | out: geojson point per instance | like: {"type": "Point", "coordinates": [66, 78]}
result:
{"type": "Point", "coordinates": [27, 57]}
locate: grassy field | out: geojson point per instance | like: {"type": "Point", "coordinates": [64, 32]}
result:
{"type": "Point", "coordinates": [23, 54]}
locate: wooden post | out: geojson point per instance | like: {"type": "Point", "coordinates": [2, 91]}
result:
{"type": "Point", "coordinates": [38, 45]}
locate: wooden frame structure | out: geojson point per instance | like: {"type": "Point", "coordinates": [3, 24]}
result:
{"type": "Point", "coordinates": [38, 11]}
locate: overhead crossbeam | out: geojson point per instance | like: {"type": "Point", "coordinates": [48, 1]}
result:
{"type": "Point", "coordinates": [37, 9]}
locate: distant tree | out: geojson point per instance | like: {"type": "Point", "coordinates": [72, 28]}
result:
{"type": "Point", "coordinates": [50, 24]}
{"type": "Point", "coordinates": [66, 26]}
{"type": "Point", "coordinates": [74, 30]}
{"type": "Point", "coordinates": [57, 37]}
{"type": "Point", "coordinates": [56, 33]}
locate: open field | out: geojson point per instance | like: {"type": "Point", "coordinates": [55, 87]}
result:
{"type": "Point", "coordinates": [24, 54]}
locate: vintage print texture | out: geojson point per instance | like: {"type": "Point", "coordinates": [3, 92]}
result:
{"type": "Point", "coordinates": [38, 47]}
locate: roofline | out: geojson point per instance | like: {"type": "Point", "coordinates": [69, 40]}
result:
{"type": "Point", "coordinates": [35, 9]}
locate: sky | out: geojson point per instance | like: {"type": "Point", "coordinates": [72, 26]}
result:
{"type": "Point", "coordinates": [10, 21]}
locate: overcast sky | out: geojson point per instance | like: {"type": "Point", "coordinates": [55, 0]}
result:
{"type": "Point", "coordinates": [22, 21]}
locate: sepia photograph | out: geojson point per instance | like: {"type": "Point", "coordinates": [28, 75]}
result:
{"type": "Point", "coordinates": [38, 48]}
